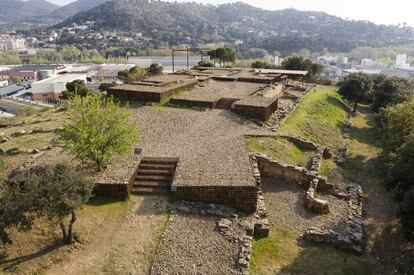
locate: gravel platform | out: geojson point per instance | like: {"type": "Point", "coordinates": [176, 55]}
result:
{"type": "Point", "coordinates": [284, 203]}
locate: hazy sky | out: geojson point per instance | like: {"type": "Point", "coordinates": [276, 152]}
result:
{"type": "Point", "coordinates": [378, 11]}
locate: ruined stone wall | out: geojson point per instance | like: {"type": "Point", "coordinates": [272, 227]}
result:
{"type": "Point", "coordinates": [301, 175]}
{"type": "Point", "coordinates": [243, 198]}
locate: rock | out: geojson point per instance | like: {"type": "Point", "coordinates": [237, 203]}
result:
{"type": "Point", "coordinates": [3, 140]}
{"type": "Point", "coordinates": [13, 151]}
{"type": "Point", "coordinates": [19, 133]}
{"type": "Point", "coordinates": [183, 209]}
{"type": "Point", "coordinates": [224, 223]}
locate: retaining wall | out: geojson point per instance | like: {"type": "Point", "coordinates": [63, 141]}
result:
{"type": "Point", "coordinates": [243, 198]}
{"type": "Point", "coordinates": [116, 190]}
{"type": "Point", "coordinates": [256, 112]}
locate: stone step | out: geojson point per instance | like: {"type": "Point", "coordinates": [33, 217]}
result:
{"type": "Point", "coordinates": [225, 103]}
{"type": "Point", "coordinates": [150, 190]}
{"type": "Point", "coordinates": [153, 178]}
{"type": "Point", "coordinates": [151, 166]}
{"type": "Point", "coordinates": [152, 160]}
{"type": "Point", "coordinates": [154, 184]}
{"type": "Point", "coordinates": [154, 172]}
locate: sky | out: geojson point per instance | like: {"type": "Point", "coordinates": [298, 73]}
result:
{"type": "Point", "coordinates": [377, 11]}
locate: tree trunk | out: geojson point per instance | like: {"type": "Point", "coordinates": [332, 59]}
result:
{"type": "Point", "coordinates": [68, 234]}
{"type": "Point", "coordinates": [70, 229]}
{"type": "Point", "coordinates": [64, 232]}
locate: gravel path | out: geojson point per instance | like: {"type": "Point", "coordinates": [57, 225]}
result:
{"type": "Point", "coordinates": [210, 144]}
{"type": "Point", "coordinates": [284, 202]}
{"type": "Point", "coordinates": [193, 245]}
{"type": "Point", "coordinates": [123, 247]}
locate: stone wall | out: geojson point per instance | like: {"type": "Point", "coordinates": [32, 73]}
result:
{"type": "Point", "coordinates": [243, 198]}
{"type": "Point", "coordinates": [353, 236]}
{"type": "Point", "coordinates": [256, 112]}
{"type": "Point", "coordinates": [274, 169]}
{"type": "Point", "coordinates": [116, 190]}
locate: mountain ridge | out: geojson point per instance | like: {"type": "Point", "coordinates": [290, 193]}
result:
{"type": "Point", "coordinates": [283, 30]}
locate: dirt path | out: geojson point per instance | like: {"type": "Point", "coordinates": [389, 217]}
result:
{"type": "Point", "coordinates": [121, 248]}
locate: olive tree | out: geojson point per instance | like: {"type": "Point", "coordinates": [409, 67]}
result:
{"type": "Point", "coordinates": [98, 129]}
{"type": "Point", "coordinates": [52, 191]}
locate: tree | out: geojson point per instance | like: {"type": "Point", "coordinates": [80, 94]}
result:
{"type": "Point", "coordinates": [356, 87]}
{"type": "Point", "coordinates": [16, 80]}
{"type": "Point", "coordinates": [97, 130]}
{"type": "Point", "coordinates": [398, 124]}
{"type": "Point", "coordinates": [301, 64]}
{"type": "Point", "coordinates": [391, 91]}
{"type": "Point", "coordinates": [155, 69]}
{"type": "Point", "coordinates": [76, 87]}
{"type": "Point", "coordinates": [400, 164]}
{"type": "Point", "coordinates": [55, 192]}
{"type": "Point", "coordinates": [223, 55]}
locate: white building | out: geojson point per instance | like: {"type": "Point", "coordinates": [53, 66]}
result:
{"type": "Point", "coordinates": [15, 44]}
{"type": "Point", "coordinates": [52, 88]}
{"type": "Point", "coordinates": [109, 72]}
{"type": "Point", "coordinates": [401, 62]}
{"type": "Point", "coordinates": [366, 62]}
{"type": "Point", "coordinates": [3, 83]}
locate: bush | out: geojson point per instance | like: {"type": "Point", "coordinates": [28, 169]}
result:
{"type": "Point", "coordinates": [205, 64]}
{"type": "Point", "coordinates": [390, 91]}
{"type": "Point", "coordinates": [262, 65]}
{"type": "Point", "coordinates": [155, 69]}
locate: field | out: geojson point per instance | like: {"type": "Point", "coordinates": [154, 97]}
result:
{"type": "Point", "coordinates": [280, 149]}
{"type": "Point", "coordinates": [320, 118]}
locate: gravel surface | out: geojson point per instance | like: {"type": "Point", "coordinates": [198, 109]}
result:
{"type": "Point", "coordinates": [193, 245]}
{"type": "Point", "coordinates": [284, 202]}
{"type": "Point", "coordinates": [210, 144]}
{"type": "Point", "coordinates": [214, 90]}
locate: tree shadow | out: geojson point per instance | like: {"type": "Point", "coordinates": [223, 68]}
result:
{"type": "Point", "coordinates": [393, 249]}
{"type": "Point", "coordinates": [321, 259]}
{"type": "Point", "coordinates": [10, 263]}
{"type": "Point", "coordinates": [99, 200]}
{"type": "Point", "coordinates": [154, 205]}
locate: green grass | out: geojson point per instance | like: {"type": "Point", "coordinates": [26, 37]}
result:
{"type": "Point", "coordinates": [320, 117]}
{"type": "Point", "coordinates": [363, 165]}
{"type": "Point", "coordinates": [280, 149]}
{"type": "Point", "coordinates": [283, 251]}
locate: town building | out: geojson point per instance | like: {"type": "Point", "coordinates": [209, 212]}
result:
{"type": "Point", "coordinates": [52, 88]}
{"type": "Point", "coordinates": [15, 44]}
{"type": "Point", "coordinates": [401, 62]}
{"type": "Point", "coordinates": [108, 73]}
{"type": "Point", "coordinates": [366, 62]}
{"type": "Point", "coordinates": [32, 73]}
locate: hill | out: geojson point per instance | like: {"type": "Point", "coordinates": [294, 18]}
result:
{"type": "Point", "coordinates": [76, 7]}
{"type": "Point", "coordinates": [16, 11]}
{"type": "Point", "coordinates": [286, 31]}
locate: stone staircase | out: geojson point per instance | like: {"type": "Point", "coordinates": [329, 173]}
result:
{"type": "Point", "coordinates": [225, 103]}
{"type": "Point", "coordinates": [154, 176]}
